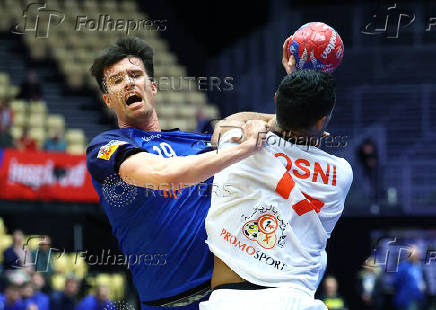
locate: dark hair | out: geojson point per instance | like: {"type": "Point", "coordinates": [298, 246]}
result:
{"type": "Point", "coordinates": [127, 47]}
{"type": "Point", "coordinates": [304, 97]}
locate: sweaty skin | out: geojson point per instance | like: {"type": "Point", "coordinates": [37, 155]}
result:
{"type": "Point", "coordinates": [222, 274]}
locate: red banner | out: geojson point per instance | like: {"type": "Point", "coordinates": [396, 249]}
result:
{"type": "Point", "coordinates": [34, 175]}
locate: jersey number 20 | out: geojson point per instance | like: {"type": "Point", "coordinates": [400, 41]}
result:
{"type": "Point", "coordinates": [166, 149]}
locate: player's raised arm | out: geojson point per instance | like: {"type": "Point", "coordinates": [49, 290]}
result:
{"type": "Point", "coordinates": [147, 170]}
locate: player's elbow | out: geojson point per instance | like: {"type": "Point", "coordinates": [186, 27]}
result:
{"type": "Point", "coordinates": [165, 176]}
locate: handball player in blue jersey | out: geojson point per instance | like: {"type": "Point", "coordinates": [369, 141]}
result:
{"type": "Point", "coordinates": [153, 183]}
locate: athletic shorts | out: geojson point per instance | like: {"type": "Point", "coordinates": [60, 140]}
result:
{"type": "Point", "coordinates": [278, 298]}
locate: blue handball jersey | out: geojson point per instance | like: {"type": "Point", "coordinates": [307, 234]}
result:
{"type": "Point", "coordinates": [160, 232]}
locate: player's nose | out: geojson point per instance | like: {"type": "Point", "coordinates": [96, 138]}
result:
{"type": "Point", "coordinates": [129, 84]}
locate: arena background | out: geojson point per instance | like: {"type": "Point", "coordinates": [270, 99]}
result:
{"type": "Point", "coordinates": [385, 113]}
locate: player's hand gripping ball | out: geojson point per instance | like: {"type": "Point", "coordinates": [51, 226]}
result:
{"type": "Point", "coordinates": [316, 46]}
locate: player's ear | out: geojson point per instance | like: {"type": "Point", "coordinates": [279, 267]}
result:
{"type": "Point", "coordinates": [321, 123]}
{"type": "Point", "coordinates": [107, 100]}
{"type": "Point", "coordinates": [154, 88]}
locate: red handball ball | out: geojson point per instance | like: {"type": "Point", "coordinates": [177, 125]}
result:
{"type": "Point", "coordinates": [316, 46]}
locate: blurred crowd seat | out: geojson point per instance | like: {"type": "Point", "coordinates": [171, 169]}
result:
{"type": "Point", "coordinates": [41, 124]}
{"type": "Point", "coordinates": [66, 264]}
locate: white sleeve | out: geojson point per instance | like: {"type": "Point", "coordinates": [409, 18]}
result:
{"type": "Point", "coordinates": [226, 139]}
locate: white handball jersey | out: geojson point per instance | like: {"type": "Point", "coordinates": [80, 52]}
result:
{"type": "Point", "coordinates": [272, 213]}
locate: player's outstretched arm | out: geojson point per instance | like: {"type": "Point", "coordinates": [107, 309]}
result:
{"type": "Point", "coordinates": [152, 171]}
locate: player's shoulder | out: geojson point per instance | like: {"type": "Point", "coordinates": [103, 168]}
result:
{"type": "Point", "coordinates": [342, 162]}
{"type": "Point", "coordinates": [176, 132]}
{"type": "Point", "coordinates": [345, 173]}
{"type": "Point", "coordinates": [121, 134]}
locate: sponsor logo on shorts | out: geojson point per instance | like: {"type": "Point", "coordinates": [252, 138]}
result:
{"type": "Point", "coordinates": [107, 150]}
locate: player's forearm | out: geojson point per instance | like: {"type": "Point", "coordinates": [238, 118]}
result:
{"type": "Point", "coordinates": [246, 116]}
{"type": "Point", "coordinates": [151, 171]}
{"type": "Point", "coordinates": [198, 168]}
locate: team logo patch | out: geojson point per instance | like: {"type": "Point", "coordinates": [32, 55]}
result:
{"type": "Point", "coordinates": [262, 230]}
{"type": "Point", "coordinates": [200, 145]}
{"type": "Point", "coordinates": [265, 226]}
{"type": "Point", "coordinates": [107, 150]}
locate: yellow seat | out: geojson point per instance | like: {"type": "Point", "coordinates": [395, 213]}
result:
{"type": "Point", "coordinates": [118, 284]}
{"type": "Point", "coordinates": [12, 91]}
{"type": "Point", "coordinates": [103, 279]}
{"type": "Point", "coordinates": [60, 264]}
{"type": "Point", "coordinates": [58, 282]}
{"type": "Point", "coordinates": [56, 121]}
{"type": "Point", "coordinates": [39, 135]}
{"type": "Point", "coordinates": [164, 123]}
{"type": "Point", "coordinates": [76, 149]}
{"type": "Point", "coordinates": [183, 124]}
{"type": "Point", "coordinates": [32, 242]}
{"type": "Point", "coordinates": [37, 120]}
{"type": "Point", "coordinates": [38, 107]}
{"type": "Point", "coordinates": [4, 79]}
{"type": "Point", "coordinates": [175, 98]}
{"type": "Point", "coordinates": [2, 227]}
{"type": "Point", "coordinates": [196, 98]}
{"type": "Point", "coordinates": [16, 132]}
{"type": "Point", "coordinates": [75, 136]}
{"type": "Point", "coordinates": [187, 111]}
{"type": "Point", "coordinates": [19, 106]}
{"type": "Point", "coordinates": [20, 119]}
{"type": "Point", "coordinates": [128, 6]}
{"type": "Point", "coordinates": [166, 110]}
{"type": "Point", "coordinates": [5, 242]}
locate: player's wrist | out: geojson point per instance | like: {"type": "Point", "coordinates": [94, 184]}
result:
{"type": "Point", "coordinates": [251, 145]}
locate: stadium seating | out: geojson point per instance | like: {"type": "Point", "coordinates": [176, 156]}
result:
{"type": "Point", "coordinates": [66, 264]}
{"type": "Point", "coordinates": [34, 115]}
{"type": "Point", "coordinates": [74, 56]}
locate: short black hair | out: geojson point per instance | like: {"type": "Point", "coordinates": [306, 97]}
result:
{"type": "Point", "coordinates": [126, 47]}
{"type": "Point", "coordinates": [304, 97]}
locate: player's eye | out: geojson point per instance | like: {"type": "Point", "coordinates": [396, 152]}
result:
{"type": "Point", "coordinates": [136, 74]}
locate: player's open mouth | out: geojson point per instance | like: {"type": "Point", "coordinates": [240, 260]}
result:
{"type": "Point", "coordinates": [132, 97]}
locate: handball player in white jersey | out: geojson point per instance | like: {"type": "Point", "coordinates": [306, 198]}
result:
{"type": "Point", "coordinates": [272, 213]}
